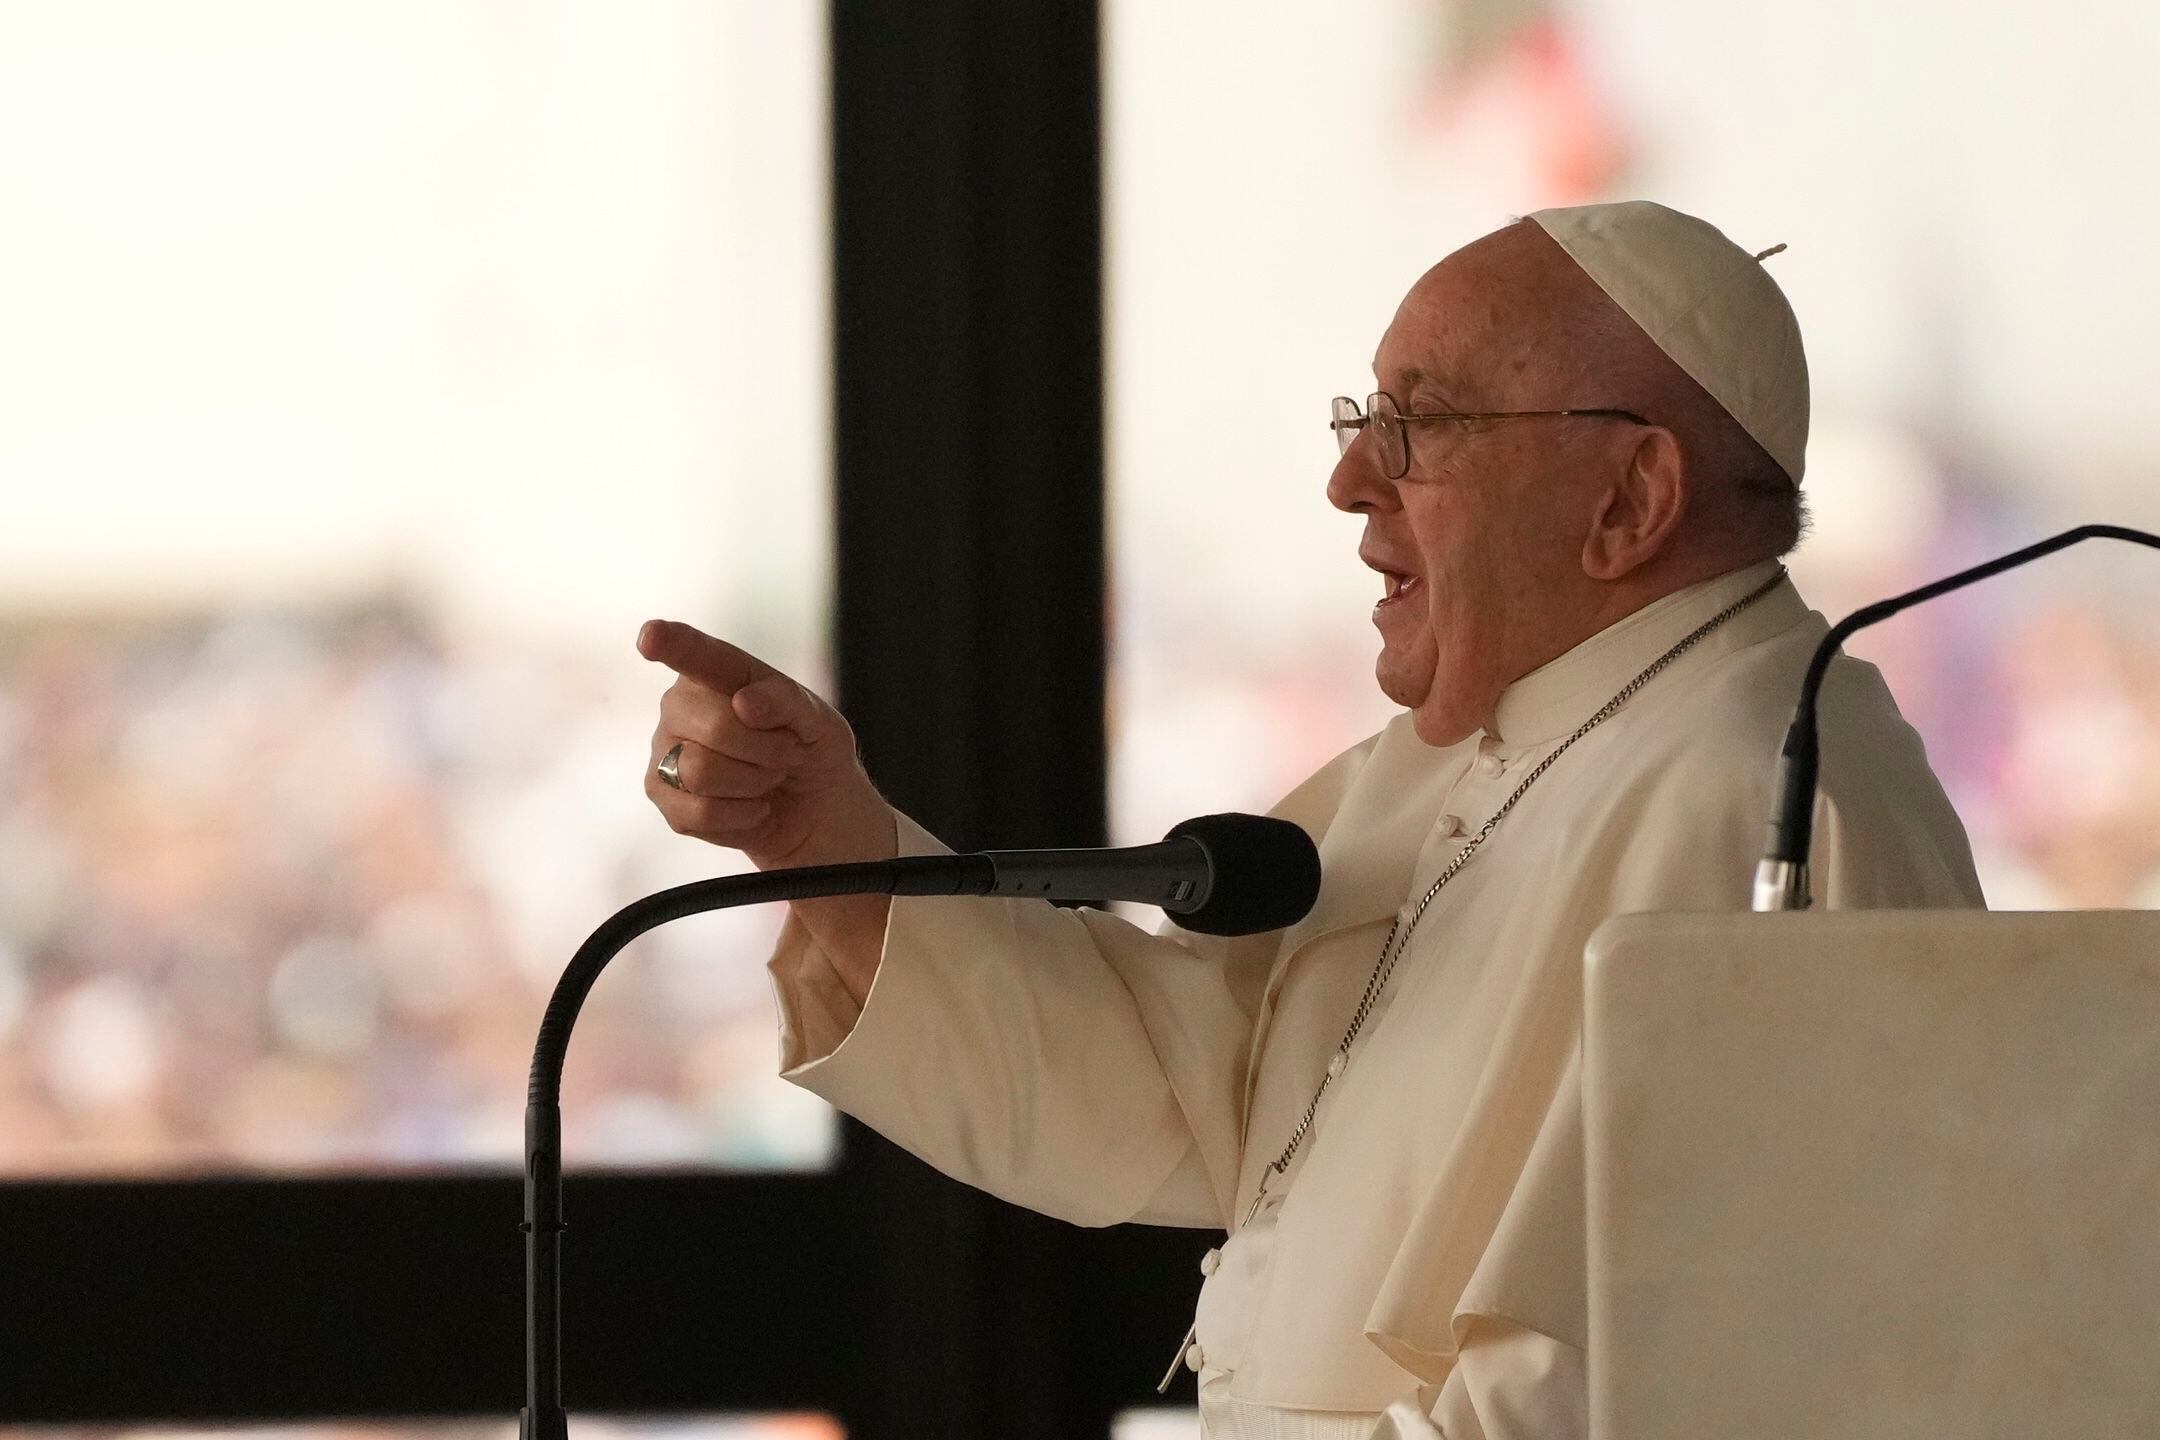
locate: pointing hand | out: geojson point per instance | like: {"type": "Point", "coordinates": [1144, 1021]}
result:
{"type": "Point", "coordinates": [766, 767]}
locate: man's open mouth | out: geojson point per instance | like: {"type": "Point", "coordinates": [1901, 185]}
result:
{"type": "Point", "coordinates": [1399, 585]}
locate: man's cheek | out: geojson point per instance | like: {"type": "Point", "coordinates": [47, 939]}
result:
{"type": "Point", "coordinates": [1441, 610]}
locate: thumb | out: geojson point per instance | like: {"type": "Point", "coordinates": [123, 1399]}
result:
{"type": "Point", "coordinates": [778, 703]}
{"type": "Point", "coordinates": [694, 655]}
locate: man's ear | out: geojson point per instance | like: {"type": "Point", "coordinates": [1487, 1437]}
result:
{"type": "Point", "coordinates": [1640, 511]}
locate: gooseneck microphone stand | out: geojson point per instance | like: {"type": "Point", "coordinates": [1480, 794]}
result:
{"type": "Point", "coordinates": [1781, 877]}
{"type": "Point", "coordinates": [1217, 874]}
{"type": "Point", "coordinates": [543, 1417]}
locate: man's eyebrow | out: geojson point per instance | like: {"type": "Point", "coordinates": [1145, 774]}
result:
{"type": "Point", "coordinates": [1411, 378]}
{"type": "Point", "coordinates": [1414, 379]}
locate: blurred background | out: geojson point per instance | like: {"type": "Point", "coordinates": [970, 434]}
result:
{"type": "Point", "coordinates": [369, 372]}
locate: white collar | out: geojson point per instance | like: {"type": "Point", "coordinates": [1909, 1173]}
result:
{"type": "Point", "coordinates": [1553, 699]}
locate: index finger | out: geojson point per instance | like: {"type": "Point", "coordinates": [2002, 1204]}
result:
{"type": "Point", "coordinates": [691, 653]}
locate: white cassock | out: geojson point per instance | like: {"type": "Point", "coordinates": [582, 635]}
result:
{"type": "Point", "coordinates": [1424, 1255]}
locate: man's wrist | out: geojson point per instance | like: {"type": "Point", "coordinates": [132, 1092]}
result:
{"type": "Point", "coordinates": [850, 929]}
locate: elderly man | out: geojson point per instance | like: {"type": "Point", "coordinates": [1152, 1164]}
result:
{"type": "Point", "coordinates": [1577, 475]}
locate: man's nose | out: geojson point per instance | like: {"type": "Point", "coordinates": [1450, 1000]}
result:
{"type": "Point", "coordinates": [1357, 485]}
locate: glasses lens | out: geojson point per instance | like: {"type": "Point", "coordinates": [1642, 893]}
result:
{"type": "Point", "coordinates": [1387, 428]}
{"type": "Point", "coordinates": [1345, 419]}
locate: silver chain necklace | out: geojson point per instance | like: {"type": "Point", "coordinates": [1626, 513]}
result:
{"type": "Point", "coordinates": [1398, 936]}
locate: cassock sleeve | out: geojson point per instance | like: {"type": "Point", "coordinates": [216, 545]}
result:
{"type": "Point", "coordinates": [1064, 1060]}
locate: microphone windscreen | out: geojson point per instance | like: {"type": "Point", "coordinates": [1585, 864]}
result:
{"type": "Point", "coordinates": [1266, 874]}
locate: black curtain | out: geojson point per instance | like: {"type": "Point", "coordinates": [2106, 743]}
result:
{"type": "Point", "coordinates": [968, 277]}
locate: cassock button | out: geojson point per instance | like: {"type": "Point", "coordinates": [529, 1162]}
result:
{"type": "Point", "coordinates": [1452, 825]}
{"type": "Point", "coordinates": [1336, 1064]}
{"type": "Point", "coordinates": [1209, 1261]}
{"type": "Point", "coordinates": [1195, 1357]}
{"type": "Point", "coordinates": [1490, 765]}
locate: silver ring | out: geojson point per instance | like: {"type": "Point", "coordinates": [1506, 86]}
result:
{"type": "Point", "coordinates": [670, 766]}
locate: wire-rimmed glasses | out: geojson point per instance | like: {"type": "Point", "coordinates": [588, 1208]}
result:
{"type": "Point", "coordinates": [1390, 427]}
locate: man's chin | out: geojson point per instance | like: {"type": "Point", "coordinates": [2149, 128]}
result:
{"type": "Point", "coordinates": [1436, 725]}
{"type": "Point", "coordinates": [1405, 680]}
{"type": "Point", "coordinates": [1412, 686]}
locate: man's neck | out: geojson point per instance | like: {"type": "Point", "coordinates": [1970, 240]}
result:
{"type": "Point", "coordinates": [1526, 694]}
{"type": "Point", "coordinates": [1612, 601]}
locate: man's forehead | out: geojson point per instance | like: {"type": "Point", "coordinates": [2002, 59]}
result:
{"type": "Point", "coordinates": [1423, 339]}
{"type": "Point", "coordinates": [1420, 326]}
{"type": "Point", "coordinates": [1487, 293]}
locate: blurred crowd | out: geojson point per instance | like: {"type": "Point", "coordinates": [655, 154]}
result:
{"type": "Point", "coordinates": [292, 890]}
{"type": "Point", "coordinates": [2075, 816]}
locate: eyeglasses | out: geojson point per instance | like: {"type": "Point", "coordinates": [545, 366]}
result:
{"type": "Point", "coordinates": [1388, 425]}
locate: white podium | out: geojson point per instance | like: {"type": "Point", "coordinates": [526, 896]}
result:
{"type": "Point", "coordinates": [1873, 1174]}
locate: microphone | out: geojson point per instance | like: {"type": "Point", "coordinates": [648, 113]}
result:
{"type": "Point", "coordinates": [1781, 877]}
{"type": "Point", "coordinates": [1217, 875]}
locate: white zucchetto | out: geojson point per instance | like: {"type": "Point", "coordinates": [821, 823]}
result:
{"type": "Point", "coordinates": [1707, 303]}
